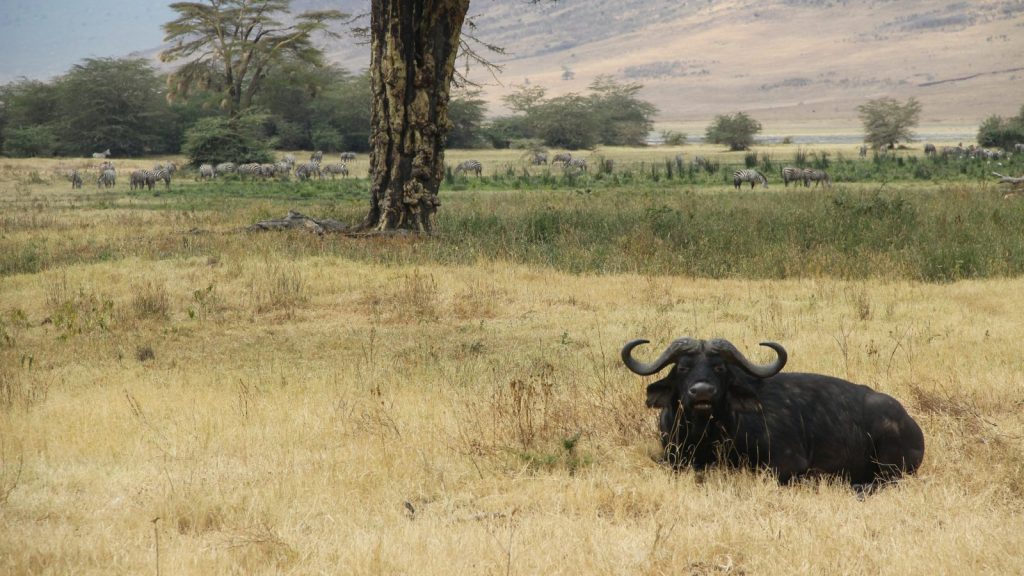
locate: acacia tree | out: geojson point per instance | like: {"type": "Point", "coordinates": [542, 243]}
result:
{"type": "Point", "coordinates": [231, 46]}
{"type": "Point", "coordinates": [414, 44]}
{"type": "Point", "coordinates": [736, 130]}
{"type": "Point", "coordinates": [886, 121]}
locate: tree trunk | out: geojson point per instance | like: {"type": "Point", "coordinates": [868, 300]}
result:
{"type": "Point", "coordinates": [414, 44]}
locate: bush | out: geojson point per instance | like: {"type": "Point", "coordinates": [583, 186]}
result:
{"type": "Point", "coordinates": [216, 140]}
{"type": "Point", "coordinates": [736, 130]}
{"type": "Point", "coordinates": [1000, 132]}
{"type": "Point", "coordinates": [31, 141]}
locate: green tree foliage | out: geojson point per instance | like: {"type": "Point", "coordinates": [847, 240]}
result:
{"type": "Point", "coordinates": [736, 130]}
{"type": "Point", "coordinates": [466, 113]}
{"type": "Point", "coordinates": [887, 122]}
{"type": "Point", "coordinates": [1005, 133]}
{"type": "Point", "coordinates": [504, 131]}
{"type": "Point", "coordinates": [116, 104]}
{"type": "Point", "coordinates": [240, 139]}
{"type": "Point", "coordinates": [611, 113]}
{"type": "Point", "coordinates": [321, 107]}
{"type": "Point", "coordinates": [231, 46]}
{"type": "Point", "coordinates": [27, 105]}
{"type": "Point", "coordinates": [621, 117]}
{"type": "Point", "coordinates": [30, 141]}
{"type": "Point", "coordinates": [525, 98]}
{"type": "Point", "coordinates": [567, 122]}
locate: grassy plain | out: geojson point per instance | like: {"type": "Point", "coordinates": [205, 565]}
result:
{"type": "Point", "coordinates": [181, 397]}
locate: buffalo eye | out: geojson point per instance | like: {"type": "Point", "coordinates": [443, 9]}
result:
{"type": "Point", "coordinates": [682, 369]}
{"type": "Point", "coordinates": [720, 369]}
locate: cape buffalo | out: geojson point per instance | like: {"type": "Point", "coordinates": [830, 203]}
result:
{"type": "Point", "coordinates": [717, 406]}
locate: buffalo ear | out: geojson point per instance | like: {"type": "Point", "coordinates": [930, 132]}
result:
{"type": "Point", "coordinates": [659, 394]}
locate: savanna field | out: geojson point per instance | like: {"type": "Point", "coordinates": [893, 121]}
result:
{"type": "Point", "coordinates": [181, 396]}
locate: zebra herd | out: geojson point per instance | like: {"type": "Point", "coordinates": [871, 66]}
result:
{"type": "Point", "coordinates": [282, 169]}
{"type": "Point", "coordinates": [535, 158]}
{"type": "Point", "coordinates": [789, 174]}
{"type": "Point", "coordinates": [148, 178]}
{"type": "Point", "coordinates": [805, 175]}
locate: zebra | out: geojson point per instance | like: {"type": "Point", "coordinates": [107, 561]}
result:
{"type": "Point", "coordinates": [790, 174]}
{"type": "Point", "coordinates": [307, 170]}
{"type": "Point", "coordinates": [748, 175]}
{"type": "Point", "coordinates": [76, 178]}
{"type": "Point", "coordinates": [576, 163]}
{"type": "Point", "coordinates": [332, 169]}
{"type": "Point", "coordinates": [817, 176]}
{"type": "Point", "coordinates": [107, 178]}
{"type": "Point", "coordinates": [470, 166]}
{"type": "Point", "coordinates": [137, 179]}
{"type": "Point", "coordinates": [249, 169]}
{"type": "Point", "coordinates": [563, 157]}
{"type": "Point", "coordinates": [539, 158]}
{"type": "Point", "coordinates": [206, 172]}
{"type": "Point", "coordinates": [104, 155]}
{"type": "Point", "coordinates": [929, 150]}
{"type": "Point", "coordinates": [289, 159]}
{"type": "Point", "coordinates": [225, 168]}
{"type": "Point", "coordinates": [346, 156]}
{"type": "Point", "coordinates": [863, 151]}
{"type": "Point", "coordinates": [317, 156]}
{"type": "Point", "coordinates": [283, 168]}
{"type": "Point", "coordinates": [159, 172]}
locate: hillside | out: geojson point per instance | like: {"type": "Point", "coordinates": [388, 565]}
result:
{"type": "Point", "coordinates": [793, 63]}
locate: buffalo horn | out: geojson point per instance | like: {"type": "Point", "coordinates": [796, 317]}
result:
{"type": "Point", "coordinates": [729, 353]}
{"type": "Point", "coordinates": [676, 349]}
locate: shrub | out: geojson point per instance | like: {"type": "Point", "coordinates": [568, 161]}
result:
{"type": "Point", "coordinates": [31, 141]}
{"type": "Point", "coordinates": [216, 140]}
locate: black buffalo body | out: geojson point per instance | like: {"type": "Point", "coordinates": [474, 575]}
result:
{"type": "Point", "coordinates": [717, 406]}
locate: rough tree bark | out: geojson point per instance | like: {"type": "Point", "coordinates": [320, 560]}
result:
{"type": "Point", "coordinates": [414, 45]}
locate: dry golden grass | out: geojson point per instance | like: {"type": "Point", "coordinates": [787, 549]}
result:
{"type": "Point", "coordinates": [262, 413]}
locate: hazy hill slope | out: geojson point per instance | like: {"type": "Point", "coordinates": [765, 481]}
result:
{"type": "Point", "coordinates": [788, 61]}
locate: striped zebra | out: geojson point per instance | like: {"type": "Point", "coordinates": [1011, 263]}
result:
{"type": "Point", "coordinates": [817, 176]}
{"type": "Point", "coordinates": [250, 169]}
{"type": "Point", "coordinates": [317, 156]}
{"type": "Point", "coordinates": [576, 164]}
{"type": "Point", "coordinates": [470, 166]}
{"type": "Point", "coordinates": [206, 172]}
{"type": "Point", "coordinates": [748, 175]}
{"type": "Point", "coordinates": [346, 156]}
{"type": "Point", "coordinates": [76, 178]}
{"type": "Point", "coordinates": [562, 157]}
{"type": "Point", "coordinates": [282, 169]}
{"type": "Point", "coordinates": [289, 159]}
{"type": "Point", "coordinates": [137, 179]}
{"type": "Point", "coordinates": [335, 169]}
{"type": "Point", "coordinates": [307, 170]}
{"type": "Point", "coordinates": [539, 158]}
{"type": "Point", "coordinates": [161, 172]}
{"type": "Point", "coordinates": [104, 155]}
{"type": "Point", "coordinates": [929, 150]}
{"type": "Point", "coordinates": [790, 174]}
{"type": "Point", "coordinates": [863, 151]}
{"type": "Point", "coordinates": [107, 179]}
{"type": "Point", "coordinates": [225, 168]}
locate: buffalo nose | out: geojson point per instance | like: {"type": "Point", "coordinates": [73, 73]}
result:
{"type": "Point", "coordinates": [702, 392]}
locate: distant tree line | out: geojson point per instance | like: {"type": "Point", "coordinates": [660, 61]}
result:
{"type": "Point", "coordinates": [611, 114]}
{"type": "Point", "coordinates": [1006, 133]}
{"type": "Point", "coordinates": [122, 104]}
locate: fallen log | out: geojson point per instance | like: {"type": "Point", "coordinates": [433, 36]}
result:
{"type": "Point", "coordinates": [1011, 180]}
{"type": "Point", "coordinates": [298, 221]}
